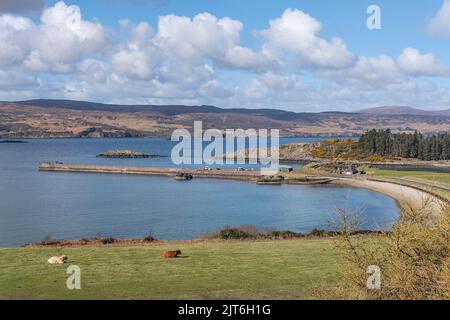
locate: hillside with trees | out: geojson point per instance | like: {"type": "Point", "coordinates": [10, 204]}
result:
{"type": "Point", "coordinates": [384, 143]}
{"type": "Point", "coordinates": [380, 145]}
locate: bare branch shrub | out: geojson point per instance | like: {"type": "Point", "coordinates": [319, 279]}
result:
{"type": "Point", "coordinates": [414, 257]}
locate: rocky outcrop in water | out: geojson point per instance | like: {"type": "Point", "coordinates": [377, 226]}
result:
{"type": "Point", "coordinates": [126, 154]}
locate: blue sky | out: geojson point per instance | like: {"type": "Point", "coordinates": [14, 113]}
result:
{"type": "Point", "coordinates": [326, 59]}
{"type": "Point", "coordinates": [403, 22]}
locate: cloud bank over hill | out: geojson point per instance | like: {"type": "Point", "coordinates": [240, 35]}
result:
{"type": "Point", "coordinates": [189, 60]}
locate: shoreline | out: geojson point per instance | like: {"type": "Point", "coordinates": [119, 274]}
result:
{"type": "Point", "coordinates": [404, 195]}
{"type": "Point", "coordinates": [136, 242]}
{"type": "Point", "coordinates": [399, 192]}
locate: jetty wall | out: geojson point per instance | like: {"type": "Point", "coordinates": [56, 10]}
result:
{"type": "Point", "coordinates": [152, 171]}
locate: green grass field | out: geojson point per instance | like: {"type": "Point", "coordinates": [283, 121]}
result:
{"type": "Point", "coordinates": [435, 177]}
{"type": "Point", "coordinates": [437, 182]}
{"type": "Point", "coordinates": [207, 270]}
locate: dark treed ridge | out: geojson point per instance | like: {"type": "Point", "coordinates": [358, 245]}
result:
{"type": "Point", "coordinates": [385, 143]}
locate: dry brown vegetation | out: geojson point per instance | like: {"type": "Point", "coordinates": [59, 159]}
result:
{"type": "Point", "coordinates": [46, 120]}
{"type": "Point", "coordinates": [337, 149]}
{"type": "Point", "coordinates": [414, 258]}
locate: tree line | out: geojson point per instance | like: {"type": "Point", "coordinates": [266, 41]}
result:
{"type": "Point", "coordinates": [387, 144]}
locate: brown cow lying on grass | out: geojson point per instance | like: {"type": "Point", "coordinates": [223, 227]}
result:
{"type": "Point", "coordinates": [170, 254]}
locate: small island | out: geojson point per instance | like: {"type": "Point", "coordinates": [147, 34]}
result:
{"type": "Point", "coordinates": [127, 154]}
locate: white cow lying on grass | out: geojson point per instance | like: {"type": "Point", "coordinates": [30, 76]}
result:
{"type": "Point", "coordinates": [57, 260]}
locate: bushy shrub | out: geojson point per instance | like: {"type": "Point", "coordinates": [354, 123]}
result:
{"type": "Point", "coordinates": [150, 237]}
{"type": "Point", "coordinates": [375, 158]}
{"type": "Point", "coordinates": [233, 233]}
{"type": "Point", "coordinates": [47, 239]}
{"type": "Point", "coordinates": [109, 240]}
{"type": "Point", "coordinates": [336, 149]}
{"type": "Point", "coordinates": [321, 233]}
{"type": "Point", "coordinates": [414, 258]}
{"type": "Point", "coordinates": [285, 234]}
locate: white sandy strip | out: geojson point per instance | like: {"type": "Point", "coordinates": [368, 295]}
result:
{"type": "Point", "coordinates": [400, 193]}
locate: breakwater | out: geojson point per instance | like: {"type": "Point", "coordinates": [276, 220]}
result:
{"type": "Point", "coordinates": [169, 172]}
{"type": "Point", "coordinates": [230, 174]}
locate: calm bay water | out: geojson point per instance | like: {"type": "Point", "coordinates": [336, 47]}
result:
{"type": "Point", "coordinates": [75, 205]}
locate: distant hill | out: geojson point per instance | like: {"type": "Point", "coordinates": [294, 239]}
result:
{"type": "Point", "coordinates": [395, 111]}
{"type": "Point", "coordinates": [68, 118]}
{"type": "Point", "coordinates": [403, 111]}
{"type": "Point", "coordinates": [170, 110]}
{"type": "Point", "coordinates": [94, 106]}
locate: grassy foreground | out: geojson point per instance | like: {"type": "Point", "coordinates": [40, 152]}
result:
{"type": "Point", "coordinates": [223, 270]}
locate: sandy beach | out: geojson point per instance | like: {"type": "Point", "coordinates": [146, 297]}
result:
{"type": "Point", "coordinates": [403, 194]}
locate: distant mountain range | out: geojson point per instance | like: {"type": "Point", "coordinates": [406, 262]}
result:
{"type": "Point", "coordinates": [67, 118]}
{"type": "Point", "coordinates": [403, 111]}
{"type": "Point", "coordinates": [169, 110]}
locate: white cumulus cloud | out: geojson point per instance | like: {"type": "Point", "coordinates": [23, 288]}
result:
{"type": "Point", "coordinates": [15, 36]}
{"type": "Point", "coordinates": [206, 36]}
{"type": "Point", "coordinates": [64, 37]}
{"type": "Point", "coordinates": [299, 33]}
{"type": "Point", "coordinates": [203, 59]}
{"type": "Point", "coordinates": [413, 62]}
{"type": "Point", "coordinates": [61, 38]}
